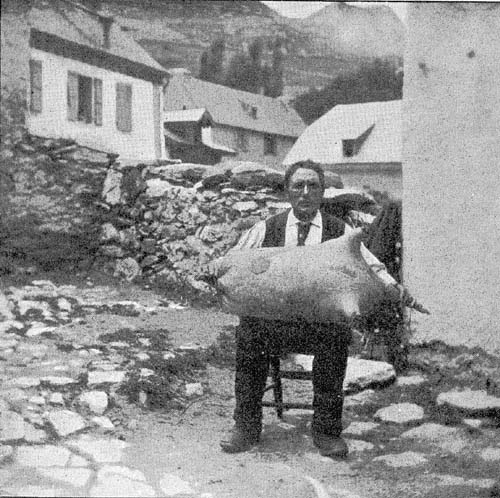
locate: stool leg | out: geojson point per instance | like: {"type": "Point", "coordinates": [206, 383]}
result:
{"type": "Point", "coordinates": [277, 388]}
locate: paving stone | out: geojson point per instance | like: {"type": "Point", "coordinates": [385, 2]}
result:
{"type": "Point", "coordinates": [122, 471]}
{"type": "Point", "coordinates": [451, 480]}
{"type": "Point", "coordinates": [77, 461]}
{"type": "Point", "coordinates": [431, 432]}
{"type": "Point", "coordinates": [358, 445]}
{"type": "Point", "coordinates": [361, 374]}
{"type": "Point", "coordinates": [56, 399]}
{"type": "Point", "coordinates": [74, 477]}
{"type": "Point", "coordinates": [53, 380]}
{"type": "Point", "coordinates": [32, 435]}
{"type": "Point", "coordinates": [472, 403]}
{"type": "Point", "coordinates": [172, 485]}
{"type": "Point", "coordinates": [42, 456]}
{"type": "Point", "coordinates": [142, 356]}
{"type": "Point", "coordinates": [400, 413]}
{"type": "Point", "coordinates": [490, 454]}
{"type": "Point", "coordinates": [103, 422]}
{"type": "Point", "coordinates": [104, 377]}
{"type": "Point", "coordinates": [411, 380]}
{"type": "Point", "coordinates": [358, 428]}
{"type": "Point", "coordinates": [450, 439]}
{"type": "Point", "coordinates": [362, 398]}
{"type": "Point", "coordinates": [12, 426]}
{"type": "Point", "coordinates": [23, 382]}
{"type": "Point", "coordinates": [406, 459]}
{"type": "Point", "coordinates": [38, 491]}
{"type": "Point", "coordinates": [6, 453]}
{"type": "Point", "coordinates": [65, 422]}
{"type": "Point", "coordinates": [95, 401]}
{"type": "Point", "coordinates": [102, 450]}
{"type": "Point", "coordinates": [121, 481]}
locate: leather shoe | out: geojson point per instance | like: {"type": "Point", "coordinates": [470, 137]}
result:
{"type": "Point", "coordinates": [239, 441]}
{"type": "Point", "coordinates": [330, 446]}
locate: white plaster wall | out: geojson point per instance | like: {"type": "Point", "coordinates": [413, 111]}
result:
{"type": "Point", "coordinates": [451, 171]}
{"type": "Point", "coordinates": [53, 120]}
{"type": "Point", "coordinates": [228, 136]}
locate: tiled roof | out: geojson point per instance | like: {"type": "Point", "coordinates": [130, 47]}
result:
{"type": "Point", "coordinates": [185, 116]}
{"type": "Point", "coordinates": [322, 140]}
{"type": "Point", "coordinates": [70, 22]}
{"type": "Point", "coordinates": [233, 107]}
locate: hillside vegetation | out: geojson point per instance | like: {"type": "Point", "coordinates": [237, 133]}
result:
{"type": "Point", "coordinates": [334, 41]}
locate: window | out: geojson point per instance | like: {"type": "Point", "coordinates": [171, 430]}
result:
{"type": "Point", "coordinates": [35, 86]}
{"type": "Point", "coordinates": [84, 99]}
{"type": "Point", "coordinates": [242, 141]}
{"type": "Point", "coordinates": [124, 107]}
{"type": "Point", "coordinates": [348, 148]}
{"type": "Point", "coordinates": [269, 145]}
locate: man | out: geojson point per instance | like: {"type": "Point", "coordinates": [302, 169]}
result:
{"type": "Point", "coordinates": [303, 224]}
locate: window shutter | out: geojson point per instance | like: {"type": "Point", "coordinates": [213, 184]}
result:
{"type": "Point", "coordinates": [124, 107]}
{"type": "Point", "coordinates": [36, 85]}
{"type": "Point", "coordinates": [72, 96]}
{"type": "Point", "coordinates": [98, 102]}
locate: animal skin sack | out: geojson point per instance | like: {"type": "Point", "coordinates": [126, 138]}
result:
{"type": "Point", "coordinates": [329, 282]}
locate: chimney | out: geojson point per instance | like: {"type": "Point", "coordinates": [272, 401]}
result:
{"type": "Point", "coordinates": [106, 26]}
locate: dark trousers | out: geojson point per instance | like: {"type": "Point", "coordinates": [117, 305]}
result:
{"type": "Point", "coordinates": [257, 338]}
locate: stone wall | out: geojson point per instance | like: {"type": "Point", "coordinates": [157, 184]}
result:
{"type": "Point", "coordinates": [14, 67]}
{"type": "Point", "coordinates": [451, 180]}
{"type": "Point", "coordinates": [167, 222]}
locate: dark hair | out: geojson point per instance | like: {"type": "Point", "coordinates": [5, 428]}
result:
{"type": "Point", "coordinates": [305, 165]}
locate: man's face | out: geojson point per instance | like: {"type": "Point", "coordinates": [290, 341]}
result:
{"type": "Point", "coordinates": [305, 193]}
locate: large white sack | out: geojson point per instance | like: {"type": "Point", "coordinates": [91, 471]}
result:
{"type": "Point", "coordinates": [329, 282]}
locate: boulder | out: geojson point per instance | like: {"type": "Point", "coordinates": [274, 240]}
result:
{"type": "Point", "coordinates": [254, 175]}
{"type": "Point", "coordinates": [157, 187]}
{"type": "Point", "coordinates": [12, 427]}
{"type": "Point", "coordinates": [128, 269]}
{"type": "Point", "coordinates": [332, 180]}
{"type": "Point", "coordinates": [400, 413]}
{"type": "Point", "coordinates": [329, 282]}
{"type": "Point", "coordinates": [339, 202]}
{"type": "Point", "coordinates": [65, 422]}
{"type": "Point", "coordinates": [95, 401]}
{"type": "Point", "coordinates": [469, 402]}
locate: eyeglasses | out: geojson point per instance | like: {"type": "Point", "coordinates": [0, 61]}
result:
{"type": "Point", "coordinates": [301, 186]}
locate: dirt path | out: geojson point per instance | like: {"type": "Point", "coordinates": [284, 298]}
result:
{"type": "Point", "coordinates": [176, 452]}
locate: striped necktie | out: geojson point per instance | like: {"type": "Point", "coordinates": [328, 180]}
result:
{"type": "Point", "coordinates": [302, 232]}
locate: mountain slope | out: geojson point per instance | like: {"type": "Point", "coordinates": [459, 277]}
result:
{"type": "Point", "coordinates": [177, 32]}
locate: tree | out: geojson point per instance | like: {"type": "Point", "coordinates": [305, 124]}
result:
{"type": "Point", "coordinates": [378, 80]}
{"type": "Point", "coordinates": [212, 62]}
{"type": "Point", "coordinates": [273, 75]}
{"type": "Point", "coordinates": [245, 71]}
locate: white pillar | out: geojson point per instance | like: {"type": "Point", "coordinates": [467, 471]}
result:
{"type": "Point", "coordinates": [451, 171]}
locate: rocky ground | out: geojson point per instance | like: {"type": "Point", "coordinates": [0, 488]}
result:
{"type": "Point", "coordinates": [111, 390]}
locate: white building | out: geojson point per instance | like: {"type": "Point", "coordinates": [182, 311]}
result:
{"type": "Point", "coordinates": [361, 142]}
{"type": "Point", "coordinates": [93, 83]}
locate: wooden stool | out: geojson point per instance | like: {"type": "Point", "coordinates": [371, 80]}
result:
{"type": "Point", "coordinates": [276, 374]}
